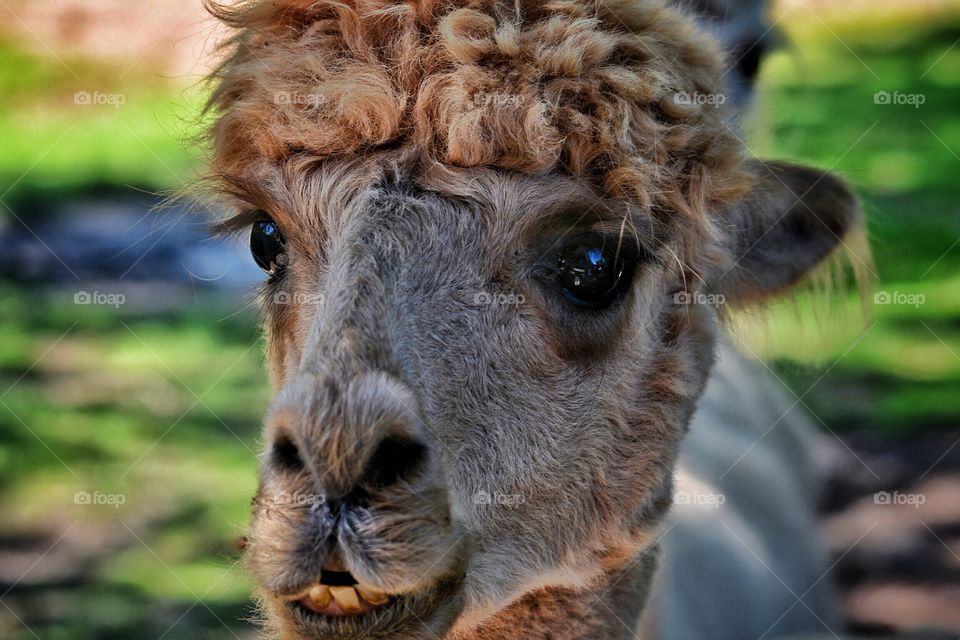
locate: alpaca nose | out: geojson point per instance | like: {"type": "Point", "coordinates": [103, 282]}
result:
{"type": "Point", "coordinates": [394, 459]}
{"type": "Point", "coordinates": [361, 434]}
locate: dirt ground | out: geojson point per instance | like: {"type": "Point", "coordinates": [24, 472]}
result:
{"type": "Point", "coordinates": [891, 517]}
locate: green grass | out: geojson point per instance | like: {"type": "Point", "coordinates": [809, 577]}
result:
{"type": "Point", "coordinates": [160, 417]}
{"type": "Point", "coordinates": [896, 369]}
{"type": "Point", "coordinates": [137, 135]}
{"type": "Point", "coordinates": [108, 402]}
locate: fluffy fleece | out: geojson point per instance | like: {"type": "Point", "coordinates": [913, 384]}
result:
{"type": "Point", "coordinates": [595, 89]}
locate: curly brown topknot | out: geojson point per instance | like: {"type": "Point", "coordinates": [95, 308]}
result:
{"type": "Point", "coordinates": [593, 89]}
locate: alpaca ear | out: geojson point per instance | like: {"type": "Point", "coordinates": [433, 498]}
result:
{"type": "Point", "coordinates": [789, 221]}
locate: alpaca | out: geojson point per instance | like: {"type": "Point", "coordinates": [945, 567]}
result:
{"type": "Point", "coordinates": [499, 238]}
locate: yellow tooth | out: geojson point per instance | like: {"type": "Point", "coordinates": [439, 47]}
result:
{"type": "Point", "coordinates": [347, 598]}
{"type": "Point", "coordinates": [319, 596]}
{"type": "Point", "coordinates": [372, 596]}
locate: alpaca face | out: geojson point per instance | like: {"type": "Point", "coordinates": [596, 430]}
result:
{"type": "Point", "coordinates": [489, 320]}
{"type": "Point", "coordinates": [478, 395]}
{"type": "Point", "coordinates": [482, 383]}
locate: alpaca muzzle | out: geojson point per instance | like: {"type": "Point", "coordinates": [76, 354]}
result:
{"type": "Point", "coordinates": [352, 521]}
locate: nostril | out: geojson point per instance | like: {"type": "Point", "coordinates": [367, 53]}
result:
{"type": "Point", "coordinates": [285, 455]}
{"type": "Point", "coordinates": [395, 459]}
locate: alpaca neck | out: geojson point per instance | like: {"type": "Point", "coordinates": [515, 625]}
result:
{"type": "Point", "coordinates": [609, 610]}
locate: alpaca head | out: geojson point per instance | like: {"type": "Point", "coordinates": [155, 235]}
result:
{"type": "Point", "coordinates": [490, 229]}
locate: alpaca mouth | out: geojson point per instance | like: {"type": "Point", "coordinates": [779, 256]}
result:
{"type": "Point", "coordinates": [338, 607]}
{"type": "Point", "coordinates": [338, 594]}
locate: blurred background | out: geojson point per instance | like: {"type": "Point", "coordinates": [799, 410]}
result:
{"type": "Point", "coordinates": [131, 378]}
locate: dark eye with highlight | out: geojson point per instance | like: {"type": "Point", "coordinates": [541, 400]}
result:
{"type": "Point", "coordinates": [267, 246]}
{"type": "Point", "coordinates": [593, 271]}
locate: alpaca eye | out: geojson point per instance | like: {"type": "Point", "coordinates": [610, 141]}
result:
{"type": "Point", "coordinates": [593, 271]}
{"type": "Point", "coordinates": [267, 246]}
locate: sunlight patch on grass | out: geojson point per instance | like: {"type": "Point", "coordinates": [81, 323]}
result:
{"type": "Point", "coordinates": [159, 579]}
{"type": "Point", "coordinates": [62, 132]}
